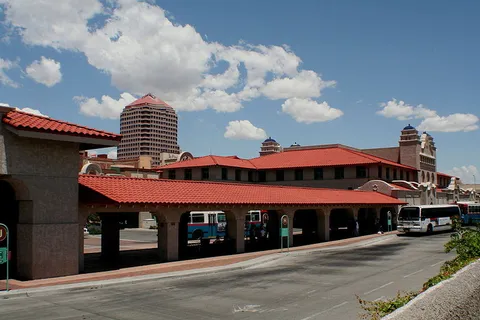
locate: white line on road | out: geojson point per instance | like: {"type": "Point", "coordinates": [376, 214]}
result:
{"type": "Point", "coordinates": [379, 298]}
{"type": "Point", "coordinates": [411, 274]}
{"type": "Point", "coordinates": [311, 291]}
{"type": "Point", "coordinates": [436, 264]}
{"type": "Point", "coordinates": [368, 292]}
{"type": "Point", "coordinates": [324, 311]}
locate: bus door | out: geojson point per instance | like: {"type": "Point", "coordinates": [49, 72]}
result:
{"type": "Point", "coordinates": [212, 225]}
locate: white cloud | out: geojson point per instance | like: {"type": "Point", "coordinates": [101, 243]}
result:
{"type": "Point", "coordinates": [112, 154]}
{"type": "Point", "coordinates": [466, 173]}
{"type": "Point", "coordinates": [144, 50]}
{"type": "Point", "coordinates": [32, 111]}
{"type": "Point", "coordinates": [404, 111]}
{"type": "Point", "coordinates": [431, 121]}
{"type": "Point", "coordinates": [244, 130]}
{"type": "Point", "coordinates": [4, 104]}
{"type": "Point", "coordinates": [4, 78]}
{"type": "Point", "coordinates": [306, 84]}
{"type": "Point", "coordinates": [310, 111]}
{"type": "Point", "coordinates": [107, 108]}
{"type": "Point", "coordinates": [453, 123]}
{"type": "Point", "coordinates": [46, 71]}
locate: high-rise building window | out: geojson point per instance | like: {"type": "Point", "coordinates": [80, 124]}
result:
{"type": "Point", "coordinates": [380, 172]}
{"type": "Point", "coordinates": [224, 173]}
{"type": "Point", "coordinates": [361, 172]}
{"type": "Point", "coordinates": [205, 173]}
{"type": "Point", "coordinates": [318, 173]}
{"type": "Point", "coordinates": [187, 174]}
{"type": "Point", "coordinates": [339, 173]}
{"type": "Point", "coordinates": [262, 176]}
{"type": "Point", "coordinates": [387, 173]}
{"type": "Point", "coordinates": [298, 174]}
{"type": "Point", "coordinates": [280, 175]}
{"type": "Point", "coordinates": [238, 175]}
{"type": "Point", "coordinates": [171, 174]}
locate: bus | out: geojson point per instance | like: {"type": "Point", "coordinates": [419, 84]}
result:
{"type": "Point", "coordinates": [210, 224]}
{"type": "Point", "coordinates": [427, 218]}
{"type": "Point", "coordinates": [470, 212]}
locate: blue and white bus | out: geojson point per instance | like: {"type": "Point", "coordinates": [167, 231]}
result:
{"type": "Point", "coordinates": [470, 212]}
{"type": "Point", "coordinates": [210, 224]}
{"type": "Point", "coordinates": [427, 218]}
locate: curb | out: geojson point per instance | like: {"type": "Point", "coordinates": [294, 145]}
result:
{"type": "Point", "coordinates": [268, 258]}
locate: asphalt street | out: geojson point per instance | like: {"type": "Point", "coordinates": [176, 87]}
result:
{"type": "Point", "coordinates": [299, 286]}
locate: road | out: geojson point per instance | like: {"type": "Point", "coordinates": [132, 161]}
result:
{"type": "Point", "coordinates": [301, 286]}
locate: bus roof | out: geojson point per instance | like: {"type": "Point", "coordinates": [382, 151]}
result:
{"type": "Point", "coordinates": [423, 206]}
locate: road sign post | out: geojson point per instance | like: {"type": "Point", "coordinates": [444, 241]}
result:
{"type": "Point", "coordinates": [284, 232]}
{"type": "Point", "coordinates": [4, 248]}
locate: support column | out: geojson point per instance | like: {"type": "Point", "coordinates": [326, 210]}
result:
{"type": "Point", "coordinates": [168, 240]}
{"type": "Point", "coordinates": [323, 226]}
{"type": "Point", "coordinates": [236, 228]}
{"type": "Point", "coordinates": [110, 238]}
{"type": "Point", "coordinates": [355, 212]}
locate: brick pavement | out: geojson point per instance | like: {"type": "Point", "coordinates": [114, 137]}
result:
{"type": "Point", "coordinates": [173, 266]}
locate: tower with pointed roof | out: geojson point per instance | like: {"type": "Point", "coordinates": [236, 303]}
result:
{"type": "Point", "coordinates": [270, 146]}
{"type": "Point", "coordinates": [149, 127]}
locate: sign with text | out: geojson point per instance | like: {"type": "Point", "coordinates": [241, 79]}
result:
{"type": "Point", "coordinates": [4, 250]}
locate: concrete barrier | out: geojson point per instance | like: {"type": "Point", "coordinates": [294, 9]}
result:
{"type": "Point", "coordinates": [455, 298]}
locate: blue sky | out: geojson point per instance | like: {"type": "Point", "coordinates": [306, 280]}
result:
{"type": "Point", "coordinates": [312, 72]}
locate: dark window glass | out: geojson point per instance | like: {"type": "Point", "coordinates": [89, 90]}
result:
{"type": "Point", "coordinates": [224, 174]}
{"type": "Point", "coordinates": [187, 174]}
{"type": "Point", "coordinates": [394, 174]}
{"type": "Point", "coordinates": [250, 176]}
{"type": "Point", "coordinates": [205, 173]}
{"type": "Point", "coordinates": [298, 174]}
{"type": "Point", "coordinates": [339, 173]}
{"type": "Point", "coordinates": [280, 175]}
{"type": "Point", "coordinates": [387, 173]}
{"type": "Point", "coordinates": [318, 173]}
{"type": "Point", "coordinates": [408, 176]}
{"type": "Point", "coordinates": [380, 171]}
{"type": "Point", "coordinates": [361, 172]}
{"type": "Point", "coordinates": [171, 174]}
{"type": "Point", "coordinates": [262, 176]}
{"type": "Point", "coordinates": [238, 175]}
{"type": "Point", "coordinates": [401, 174]}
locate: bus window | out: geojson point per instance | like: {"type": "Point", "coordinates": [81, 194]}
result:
{"type": "Point", "coordinates": [247, 217]}
{"type": "Point", "coordinates": [255, 216]}
{"type": "Point", "coordinates": [409, 213]}
{"type": "Point", "coordinates": [198, 218]}
{"type": "Point", "coordinates": [222, 218]}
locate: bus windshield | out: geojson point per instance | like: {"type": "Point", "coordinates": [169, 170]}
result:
{"type": "Point", "coordinates": [409, 213]}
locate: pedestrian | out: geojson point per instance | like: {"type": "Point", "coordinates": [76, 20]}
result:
{"type": "Point", "coordinates": [357, 228]}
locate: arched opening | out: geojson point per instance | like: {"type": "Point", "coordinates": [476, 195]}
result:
{"type": "Point", "coordinates": [307, 221]}
{"type": "Point", "coordinates": [9, 216]}
{"type": "Point", "coordinates": [273, 229]}
{"type": "Point", "coordinates": [340, 223]}
{"type": "Point", "coordinates": [366, 221]}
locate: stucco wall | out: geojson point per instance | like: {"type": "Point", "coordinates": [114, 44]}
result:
{"type": "Point", "coordinates": [47, 173]}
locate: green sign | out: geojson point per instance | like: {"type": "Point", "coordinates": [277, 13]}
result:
{"type": "Point", "coordinates": [284, 231]}
{"type": "Point", "coordinates": [4, 243]}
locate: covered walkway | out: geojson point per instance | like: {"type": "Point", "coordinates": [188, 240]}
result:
{"type": "Point", "coordinates": [171, 201]}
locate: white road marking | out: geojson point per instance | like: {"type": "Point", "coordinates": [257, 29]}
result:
{"type": "Point", "coordinates": [324, 311]}
{"type": "Point", "coordinates": [436, 264]}
{"type": "Point", "coordinates": [309, 292]}
{"type": "Point", "coordinates": [382, 297]}
{"type": "Point", "coordinates": [247, 308]}
{"type": "Point", "coordinates": [411, 274]}
{"type": "Point", "coordinates": [368, 292]}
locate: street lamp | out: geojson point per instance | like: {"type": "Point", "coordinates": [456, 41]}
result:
{"type": "Point", "coordinates": [474, 188]}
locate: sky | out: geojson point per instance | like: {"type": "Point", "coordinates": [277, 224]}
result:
{"type": "Point", "coordinates": [312, 72]}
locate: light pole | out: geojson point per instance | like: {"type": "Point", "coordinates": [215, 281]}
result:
{"type": "Point", "coordinates": [474, 188]}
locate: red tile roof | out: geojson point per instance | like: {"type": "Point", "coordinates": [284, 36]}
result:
{"type": "Point", "coordinates": [397, 186]}
{"type": "Point", "coordinates": [159, 191]}
{"type": "Point", "coordinates": [320, 157]}
{"type": "Point", "coordinates": [439, 174]}
{"type": "Point", "coordinates": [30, 122]}
{"type": "Point", "coordinates": [148, 99]}
{"type": "Point", "coordinates": [208, 161]}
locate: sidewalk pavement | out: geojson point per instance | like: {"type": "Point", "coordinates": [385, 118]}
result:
{"type": "Point", "coordinates": [163, 270]}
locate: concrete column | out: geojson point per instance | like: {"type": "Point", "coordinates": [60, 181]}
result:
{"type": "Point", "coordinates": [110, 238]}
{"type": "Point", "coordinates": [236, 228]}
{"type": "Point", "coordinates": [323, 226]}
{"type": "Point", "coordinates": [355, 212]}
{"type": "Point", "coordinates": [377, 212]}
{"type": "Point", "coordinates": [168, 240]}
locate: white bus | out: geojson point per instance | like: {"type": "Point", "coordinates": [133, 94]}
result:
{"type": "Point", "coordinates": [427, 218]}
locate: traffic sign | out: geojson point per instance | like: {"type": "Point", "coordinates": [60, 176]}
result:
{"type": "Point", "coordinates": [4, 250]}
{"type": "Point", "coordinates": [3, 233]}
{"type": "Point", "coordinates": [3, 255]}
{"type": "Point", "coordinates": [284, 231]}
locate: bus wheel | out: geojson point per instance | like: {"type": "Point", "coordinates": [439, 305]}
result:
{"type": "Point", "coordinates": [197, 234]}
{"type": "Point", "coordinates": [429, 229]}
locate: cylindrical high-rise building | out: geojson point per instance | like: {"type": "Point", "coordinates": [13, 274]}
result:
{"type": "Point", "coordinates": [148, 127]}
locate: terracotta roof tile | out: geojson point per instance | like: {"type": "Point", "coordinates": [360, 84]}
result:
{"type": "Point", "coordinates": [124, 190]}
{"type": "Point", "coordinates": [320, 157]}
{"type": "Point", "coordinates": [208, 161]}
{"type": "Point", "coordinates": [444, 175]}
{"type": "Point", "coordinates": [30, 122]}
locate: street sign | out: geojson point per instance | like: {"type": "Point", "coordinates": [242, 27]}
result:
{"type": "Point", "coordinates": [389, 221]}
{"type": "Point", "coordinates": [4, 248]}
{"type": "Point", "coordinates": [284, 231]}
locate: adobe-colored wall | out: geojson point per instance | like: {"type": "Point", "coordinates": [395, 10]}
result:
{"type": "Point", "coordinates": [392, 154]}
{"type": "Point", "coordinates": [47, 190]}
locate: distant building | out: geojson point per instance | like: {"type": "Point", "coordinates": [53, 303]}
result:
{"type": "Point", "coordinates": [149, 127]}
{"type": "Point", "coordinates": [270, 146]}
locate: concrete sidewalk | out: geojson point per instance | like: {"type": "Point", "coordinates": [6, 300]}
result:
{"type": "Point", "coordinates": [171, 269]}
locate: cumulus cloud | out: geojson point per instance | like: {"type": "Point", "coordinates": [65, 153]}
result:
{"type": "Point", "coordinates": [46, 71]}
{"type": "Point", "coordinates": [112, 154]}
{"type": "Point", "coordinates": [32, 111]}
{"type": "Point", "coordinates": [4, 78]}
{"type": "Point", "coordinates": [431, 121]}
{"type": "Point", "coordinates": [310, 111]}
{"type": "Point", "coordinates": [143, 50]}
{"type": "Point", "coordinates": [4, 104]}
{"type": "Point", "coordinates": [244, 130]}
{"type": "Point", "coordinates": [466, 173]}
{"type": "Point", "coordinates": [107, 108]}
